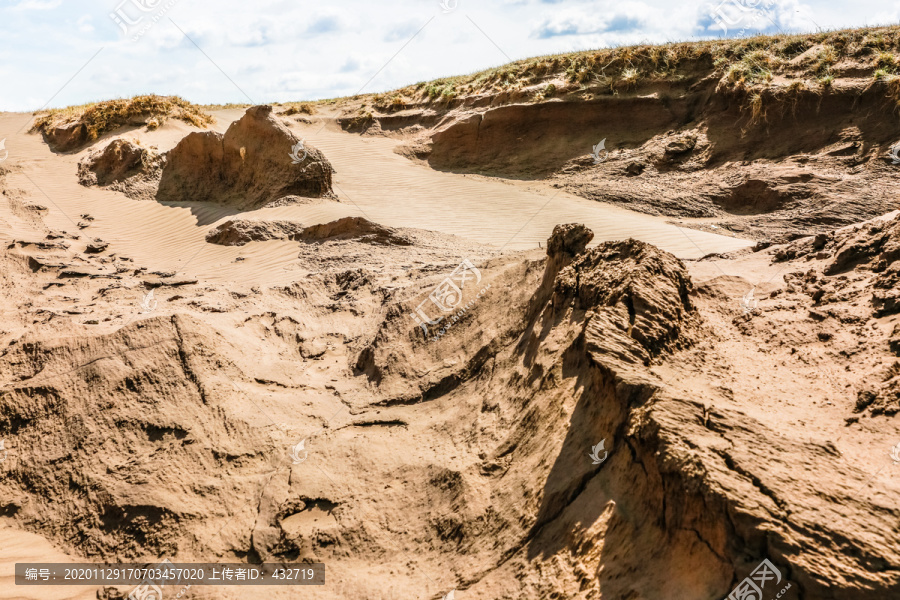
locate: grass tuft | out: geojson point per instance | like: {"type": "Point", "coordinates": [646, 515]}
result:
{"type": "Point", "coordinates": [102, 117]}
{"type": "Point", "coordinates": [304, 108]}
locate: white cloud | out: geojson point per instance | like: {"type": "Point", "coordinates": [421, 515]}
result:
{"type": "Point", "coordinates": [747, 17]}
{"type": "Point", "coordinates": [624, 17]}
{"type": "Point", "coordinates": [282, 49]}
{"type": "Point", "coordinates": [37, 5]}
{"type": "Point", "coordinates": [84, 24]}
{"type": "Point", "coordinates": [890, 15]}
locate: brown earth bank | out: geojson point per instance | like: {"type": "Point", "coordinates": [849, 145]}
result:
{"type": "Point", "coordinates": [253, 164]}
{"type": "Point", "coordinates": [770, 137]}
{"type": "Point", "coordinates": [696, 151]}
{"type": "Point", "coordinates": [239, 232]}
{"type": "Point", "coordinates": [247, 167]}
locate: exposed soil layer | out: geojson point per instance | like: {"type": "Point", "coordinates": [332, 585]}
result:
{"type": "Point", "coordinates": [115, 162]}
{"type": "Point", "coordinates": [694, 152]}
{"type": "Point", "coordinates": [240, 232]}
{"type": "Point", "coordinates": [123, 166]}
{"type": "Point", "coordinates": [251, 165]}
{"type": "Point", "coordinates": [761, 156]}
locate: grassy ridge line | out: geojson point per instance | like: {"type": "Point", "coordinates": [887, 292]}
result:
{"type": "Point", "coordinates": [774, 63]}
{"type": "Point", "coordinates": [778, 62]}
{"type": "Point", "coordinates": [101, 117]}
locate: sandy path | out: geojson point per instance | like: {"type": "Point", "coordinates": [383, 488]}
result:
{"type": "Point", "coordinates": [371, 180]}
{"type": "Point", "coordinates": [20, 546]}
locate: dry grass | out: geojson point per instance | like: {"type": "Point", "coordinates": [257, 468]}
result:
{"type": "Point", "coordinates": [752, 64]}
{"type": "Point", "coordinates": [229, 106]}
{"type": "Point", "coordinates": [892, 82]}
{"type": "Point", "coordinates": [102, 117]}
{"type": "Point", "coordinates": [362, 119]}
{"type": "Point", "coordinates": [757, 110]}
{"type": "Point", "coordinates": [547, 92]}
{"type": "Point", "coordinates": [753, 68]}
{"type": "Point", "coordinates": [389, 102]}
{"type": "Point", "coordinates": [304, 108]}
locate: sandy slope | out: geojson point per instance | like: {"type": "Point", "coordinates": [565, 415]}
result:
{"type": "Point", "coordinates": [517, 215]}
{"type": "Point", "coordinates": [452, 463]}
{"type": "Point", "coordinates": [370, 180]}
{"type": "Point", "coordinates": [20, 546]}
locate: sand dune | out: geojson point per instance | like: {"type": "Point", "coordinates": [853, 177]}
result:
{"type": "Point", "coordinates": [371, 181]}
{"type": "Point", "coordinates": [154, 385]}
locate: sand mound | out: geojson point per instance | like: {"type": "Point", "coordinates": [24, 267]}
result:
{"type": "Point", "coordinates": [115, 162]}
{"type": "Point", "coordinates": [70, 128]}
{"type": "Point", "coordinates": [568, 241]}
{"type": "Point", "coordinates": [639, 297]}
{"type": "Point", "coordinates": [356, 228]}
{"type": "Point", "coordinates": [250, 166]}
{"type": "Point", "coordinates": [237, 232]}
{"type": "Point", "coordinates": [637, 292]}
{"type": "Point", "coordinates": [123, 166]}
{"type": "Point", "coordinates": [67, 136]}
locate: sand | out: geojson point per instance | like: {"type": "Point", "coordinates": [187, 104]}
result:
{"type": "Point", "coordinates": [371, 181]}
{"type": "Point", "coordinates": [436, 464]}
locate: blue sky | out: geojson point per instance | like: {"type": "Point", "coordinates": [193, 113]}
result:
{"type": "Point", "coordinates": [279, 50]}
